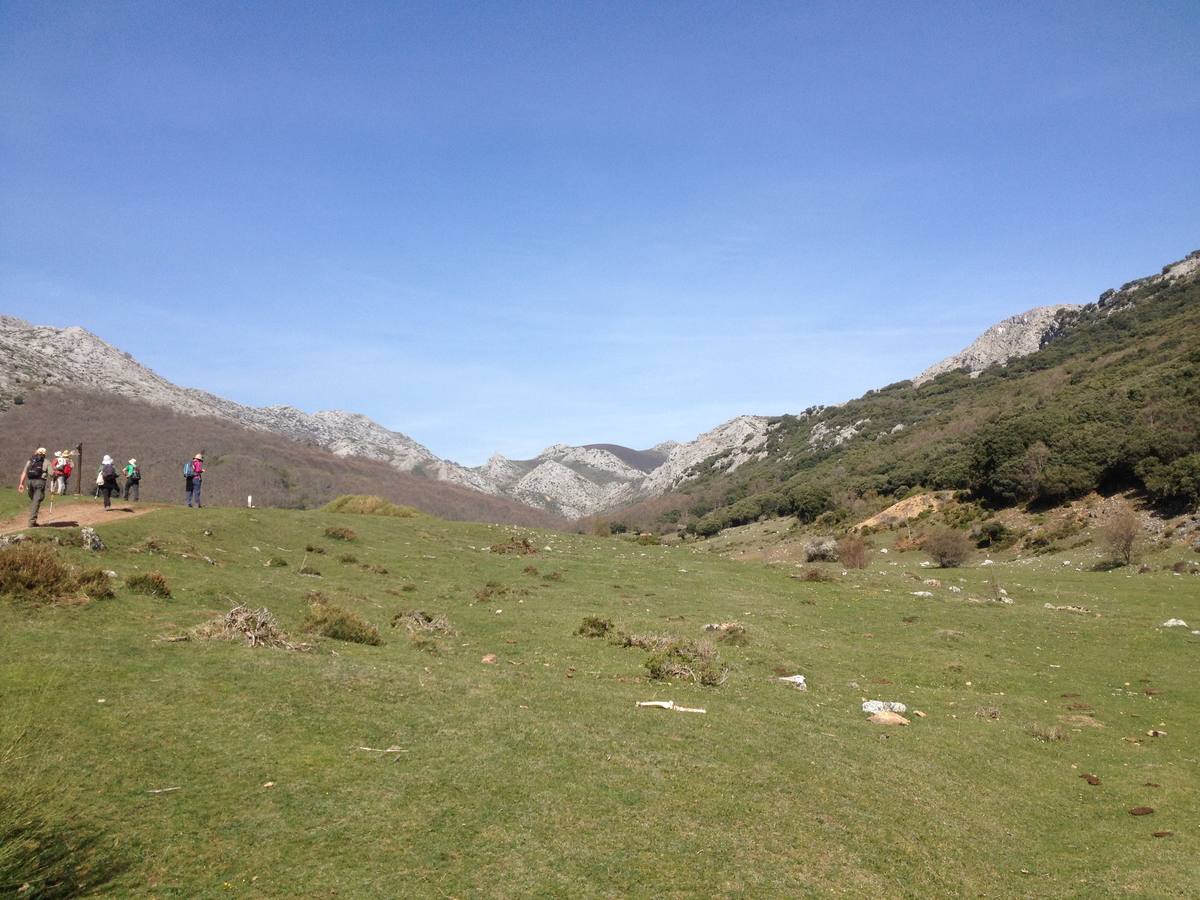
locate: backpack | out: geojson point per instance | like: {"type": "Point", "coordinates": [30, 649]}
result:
{"type": "Point", "coordinates": [36, 467]}
{"type": "Point", "coordinates": [189, 470]}
{"type": "Point", "coordinates": [136, 474]}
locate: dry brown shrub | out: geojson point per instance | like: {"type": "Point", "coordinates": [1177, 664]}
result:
{"type": "Point", "coordinates": [948, 547]}
{"type": "Point", "coordinates": [514, 546]}
{"type": "Point", "coordinates": [341, 534]}
{"type": "Point", "coordinates": [815, 574]}
{"type": "Point", "coordinates": [33, 573]}
{"type": "Point", "coordinates": [1121, 534]}
{"type": "Point", "coordinates": [416, 621]}
{"type": "Point", "coordinates": [908, 542]}
{"type": "Point", "coordinates": [150, 583]}
{"type": "Point", "coordinates": [852, 552]}
{"type": "Point", "coordinates": [650, 641]}
{"type": "Point", "coordinates": [257, 627]}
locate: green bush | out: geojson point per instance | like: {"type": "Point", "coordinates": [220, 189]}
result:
{"type": "Point", "coordinates": [340, 624]}
{"type": "Point", "coordinates": [149, 583]}
{"type": "Point", "coordinates": [947, 547]}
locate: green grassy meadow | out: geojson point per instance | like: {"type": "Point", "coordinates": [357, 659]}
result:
{"type": "Point", "coordinates": [538, 775]}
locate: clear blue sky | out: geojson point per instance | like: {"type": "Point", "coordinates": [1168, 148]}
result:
{"type": "Point", "coordinates": [495, 226]}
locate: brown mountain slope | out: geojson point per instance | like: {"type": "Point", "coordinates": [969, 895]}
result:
{"type": "Point", "coordinates": [241, 461]}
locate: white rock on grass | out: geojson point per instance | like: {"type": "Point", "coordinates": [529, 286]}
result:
{"type": "Point", "coordinates": [878, 706]}
{"type": "Point", "coordinates": [1174, 623]}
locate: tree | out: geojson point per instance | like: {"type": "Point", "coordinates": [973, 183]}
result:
{"type": "Point", "coordinates": [947, 547]}
{"type": "Point", "coordinates": [1121, 534]}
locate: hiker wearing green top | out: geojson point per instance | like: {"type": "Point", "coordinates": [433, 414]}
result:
{"type": "Point", "coordinates": [133, 478]}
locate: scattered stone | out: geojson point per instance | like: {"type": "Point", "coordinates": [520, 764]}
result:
{"type": "Point", "coordinates": [918, 714]}
{"type": "Point", "coordinates": [1082, 610]}
{"type": "Point", "coordinates": [91, 540]}
{"type": "Point", "coordinates": [955, 589]}
{"type": "Point", "coordinates": [887, 718]}
{"type": "Point", "coordinates": [1090, 778]}
{"type": "Point", "coordinates": [489, 659]}
{"type": "Point", "coordinates": [922, 594]}
{"type": "Point", "coordinates": [1154, 732]}
{"type": "Point", "coordinates": [878, 706]}
{"type": "Point", "coordinates": [1174, 623]}
{"type": "Point", "coordinates": [796, 680]}
{"type": "Point", "coordinates": [987, 562]}
{"type": "Point", "coordinates": [1141, 811]}
{"type": "Point", "coordinates": [1163, 834]}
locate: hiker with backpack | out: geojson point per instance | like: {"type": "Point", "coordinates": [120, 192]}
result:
{"type": "Point", "coordinates": [64, 474]}
{"type": "Point", "coordinates": [33, 479]}
{"type": "Point", "coordinates": [56, 474]}
{"type": "Point", "coordinates": [133, 478]}
{"type": "Point", "coordinates": [193, 472]}
{"type": "Point", "coordinates": [108, 481]}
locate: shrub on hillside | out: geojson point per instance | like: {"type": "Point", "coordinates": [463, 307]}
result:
{"type": "Point", "coordinates": [150, 583]}
{"type": "Point", "coordinates": [363, 505]}
{"type": "Point", "coordinates": [853, 552]}
{"type": "Point", "coordinates": [907, 542]}
{"type": "Point", "coordinates": [695, 661]}
{"type": "Point", "coordinates": [649, 540]}
{"type": "Point", "coordinates": [340, 624]}
{"type": "Point", "coordinates": [815, 574]}
{"type": "Point", "coordinates": [594, 627]}
{"type": "Point", "coordinates": [276, 562]}
{"type": "Point", "coordinates": [96, 584]}
{"type": "Point", "coordinates": [33, 573]}
{"type": "Point", "coordinates": [514, 546]}
{"type": "Point", "coordinates": [820, 548]}
{"type": "Point", "coordinates": [1121, 534]}
{"type": "Point", "coordinates": [947, 547]}
{"type": "Point", "coordinates": [341, 534]}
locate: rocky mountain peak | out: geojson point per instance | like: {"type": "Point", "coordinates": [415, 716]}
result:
{"type": "Point", "coordinates": [1013, 337]}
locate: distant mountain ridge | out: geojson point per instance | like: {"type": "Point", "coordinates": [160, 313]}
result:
{"type": "Point", "coordinates": [565, 480]}
{"type": "Point", "coordinates": [570, 481]}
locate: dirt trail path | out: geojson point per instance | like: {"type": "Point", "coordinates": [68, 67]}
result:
{"type": "Point", "coordinates": [75, 515]}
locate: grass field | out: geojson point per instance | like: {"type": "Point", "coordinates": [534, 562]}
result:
{"type": "Point", "coordinates": [538, 775]}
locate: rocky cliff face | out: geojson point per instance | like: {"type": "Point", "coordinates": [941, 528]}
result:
{"type": "Point", "coordinates": [573, 481]}
{"type": "Point", "coordinates": [1015, 336]}
{"type": "Point", "coordinates": [1028, 332]}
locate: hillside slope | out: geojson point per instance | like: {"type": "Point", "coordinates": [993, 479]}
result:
{"type": "Point", "coordinates": [242, 461]}
{"type": "Point", "coordinates": [562, 480]}
{"type": "Point", "coordinates": [1111, 399]}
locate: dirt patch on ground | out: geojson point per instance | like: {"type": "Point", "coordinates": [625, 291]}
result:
{"type": "Point", "coordinates": [75, 515]}
{"type": "Point", "coordinates": [909, 508]}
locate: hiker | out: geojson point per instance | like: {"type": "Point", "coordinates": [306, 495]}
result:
{"type": "Point", "coordinates": [193, 472]}
{"type": "Point", "coordinates": [33, 477]}
{"type": "Point", "coordinates": [108, 481]}
{"type": "Point", "coordinates": [65, 474]}
{"type": "Point", "coordinates": [56, 473]}
{"type": "Point", "coordinates": [133, 478]}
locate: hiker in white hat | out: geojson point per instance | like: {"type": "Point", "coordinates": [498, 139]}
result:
{"type": "Point", "coordinates": [108, 481]}
{"type": "Point", "coordinates": [33, 479]}
{"type": "Point", "coordinates": [133, 478]}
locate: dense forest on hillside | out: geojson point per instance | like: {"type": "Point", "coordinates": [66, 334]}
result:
{"type": "Point", "coordinates": [1111, 400]}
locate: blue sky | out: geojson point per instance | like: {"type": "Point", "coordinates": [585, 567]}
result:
{"type": "Point", "coordinates": [495, 226]}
